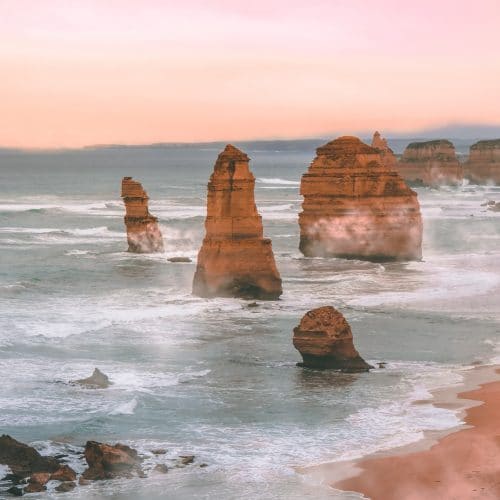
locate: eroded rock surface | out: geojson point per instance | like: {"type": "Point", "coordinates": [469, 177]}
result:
{"type": "Point", "coordinates": [355, 206]}
{"type": "Point", "coordinates": [107, 461]}
{"type": "Point", "coordinates": [235, 260]}
{"type": "Point", "coordinates": [143, 232]}
{"type": "Point", "coordinates": [431, 163]}
{"type": "Point", "coordinates": [386, 153]}
{"type": "Point", "coordinates": [325, 341]}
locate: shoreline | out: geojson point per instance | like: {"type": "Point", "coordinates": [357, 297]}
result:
{"type": "Point", "coordinates": [422, 469]}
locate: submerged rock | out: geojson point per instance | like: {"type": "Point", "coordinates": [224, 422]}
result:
{"type": "Point", "coordinates": [161, 468]}
{"type": "Point", "coordinates": [431, 163]}
{"type": "Point", "coordinates": [357, 207]}
{"type": "Point", "coordinates": [143, 232]}
{"type": "Point", "coordinates": [235, 260]}
{"type": "Point", "coordinates": [324, 339]}
{"type": "Point", "coordinates": [107, 461]}
{"type": "Point", "coordinates": [64, 473]}
{"type": "Point", "coordinates": [483, 165]}
{"type": "Point", "coordinates": [15, 491]}
{"type": "Point", "coordinates": [186, 459]}
{"type": "Point", "coordinates": [96, 380]}
{"type": "Point", "coordinates": [179, 259]}
{"type": "Point", "coordinates": [37, 482]}
{"type": "Point", "coordinates": [65, 487]}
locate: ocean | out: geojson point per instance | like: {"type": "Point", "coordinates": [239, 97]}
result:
{"type": "Point", "coordinates": [214, 377]}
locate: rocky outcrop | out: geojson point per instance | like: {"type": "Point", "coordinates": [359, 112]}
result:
{"type": "Point", "coordinates": [24, 460]}
{"type": "Point", "coordinates": [110, 461]}
{"type": "Point", "coordinates": [235, 260]}
{"type": "Point", "coordinates": [324, 339]}
{"type": "Point", "coordinates": [431, 163]}
{"type": "Point", "coordinates": [483, 165]}
{"type": "Point", "coordinates": [97, 380]}
{"type": "Point", "coordinates": [355, 206]}
{"type": "Point", "coordinates": [143, 233]}
{"type": "Point", "coordinates": [386, 153]}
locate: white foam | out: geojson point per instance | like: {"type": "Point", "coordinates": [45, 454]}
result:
{"type": "Point", "coordinates": [277, 180]}
{"type": "Point", "coordinates": [125, 408]}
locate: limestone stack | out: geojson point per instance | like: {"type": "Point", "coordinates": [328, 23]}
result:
{"type": "Point", "coordinates": [386, 153]}
{"type": "Point", "coordinates": [355, 206]}
{"type": "Point", "coordinates": [431, 163]}
{"type": "Point", "coordinates": [143, 233]}
{"type": "Point", "coordinates": [235, 259]}
{"type": "Point", "coordinates": [324, 339]}
{"type": "Point", "coordinates": [483, 166]}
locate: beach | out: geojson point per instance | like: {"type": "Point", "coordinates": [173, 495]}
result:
{"type": "Point", "coordinates": [462, 465]}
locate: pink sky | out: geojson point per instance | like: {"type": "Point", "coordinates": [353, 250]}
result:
{"type": "Point", "coordinates": [76, 72]}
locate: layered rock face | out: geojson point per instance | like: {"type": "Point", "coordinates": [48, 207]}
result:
{"type": "Point", "coordinates": [143, 233]}
{"type": "Point", "coordinates": [386, 153]}
{"type": "Point", "coordinates": [483, 166]}
{"type": "Point", "coordinates": [235, 259]}
{"type": "Point", "coordinates": [324, 339]}
{"type": "Point", "coordinates": [431, 163]}
{"type": "Point", "coordinates": [355, 206]}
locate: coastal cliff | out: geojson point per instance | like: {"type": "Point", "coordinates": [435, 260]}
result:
{"type": "Point", "coordinates": [431, 163]}
{"type": "Point", "coordinates": [355, 206]}
{"type": "Point", "coordinates": [143, 233]}
{"type": "Point", "coordinates": [235, 259]}
{"type": "Point", "coordinates": [483, 166]}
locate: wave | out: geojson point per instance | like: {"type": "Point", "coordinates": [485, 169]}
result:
{"type": "Point", "coordinates": [125, 408]}
{"type": "Point", "coordinates": [277, 180]}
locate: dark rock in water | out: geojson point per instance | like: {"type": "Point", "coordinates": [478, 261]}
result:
{"type": "Point", "coordinates": [159, 451]}
{"type": "Point", "coordinates": [488, 203]}
{"type": "Point", "coordinates": [179, 259]}
{"type": "Point", "coordinates": [186, 459]}
{"type": "Point", "coordinates": [64, 473]}
{"type": "Point", "coordinates": [382, 364]}
{"type": "Point", "coordinates": [15, 478]}
{"type": "Point", "coordinates": [162, 468]}
{"type": "Point", "coordinates": [15, 491]}
{"type": "Point", "coordinates": [96, 380]}
{"type": "Point", "coordinates": [495, 207]}
{"type": "Point", "coordinates": [324, 339]}
{"type": "Point", "coordinates": [203, 466]}
{"type": "Point", "coordinates": [60, 455]}
{"type": "Point", "coordinates": [83, 482]}
{"type": "Point", "coordinates": [24, 460]}
{"type": "Point", "coordinates": [66, 486]}
{"type": "Point", "coordinates": [110, 461]}
{"type": "Point", "coordinates": [253, 304]}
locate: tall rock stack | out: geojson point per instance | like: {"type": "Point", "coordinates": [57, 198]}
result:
{"type": "Point", "coordinates": [483, 166]}
{"type": "Point", "coordinates": [143, 233]}
{"type": "Point", "coordinates": [235, 260]}
{"type": "Point", "coordinates": [431, 163]}
{"type": "Point", "coordinates": [355, 206]}
{"type": "Point", "coordinates": [386, 153]}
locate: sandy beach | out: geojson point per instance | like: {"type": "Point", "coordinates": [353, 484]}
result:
{"type": "Point", "coordinates": [462, 465]}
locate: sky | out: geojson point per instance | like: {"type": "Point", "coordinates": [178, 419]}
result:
{"type": "Point", "coordinates": [80, 72]}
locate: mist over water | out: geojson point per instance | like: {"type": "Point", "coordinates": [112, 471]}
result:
{"type": "Point", "coordinates": [215, 378]}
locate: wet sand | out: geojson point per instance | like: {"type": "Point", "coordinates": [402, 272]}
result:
{"type": "Point", "coordinates": [463, 465]}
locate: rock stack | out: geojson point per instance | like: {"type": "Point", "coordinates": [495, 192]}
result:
{"type": "Point", "coordinates": [324, 339]}
{"type": "Point", "coordinates": [235, 260]}
{"type": "Point", "coordinates": [355, 206]}
{"type": "Point", "coordinates": [431, 163]}
{"type": "Point", "coordinates": [483, 166]}
{"type": "Point", "coordinates": [143, 233]}
{"type": "Point", "coordinates": [386, 153]}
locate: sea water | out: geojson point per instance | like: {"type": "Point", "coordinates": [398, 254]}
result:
{"type": "Point", "coordinates": [216, 378]}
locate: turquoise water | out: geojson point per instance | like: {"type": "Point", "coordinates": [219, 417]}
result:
{"type": "Point", "coordinates": [216, 378]}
